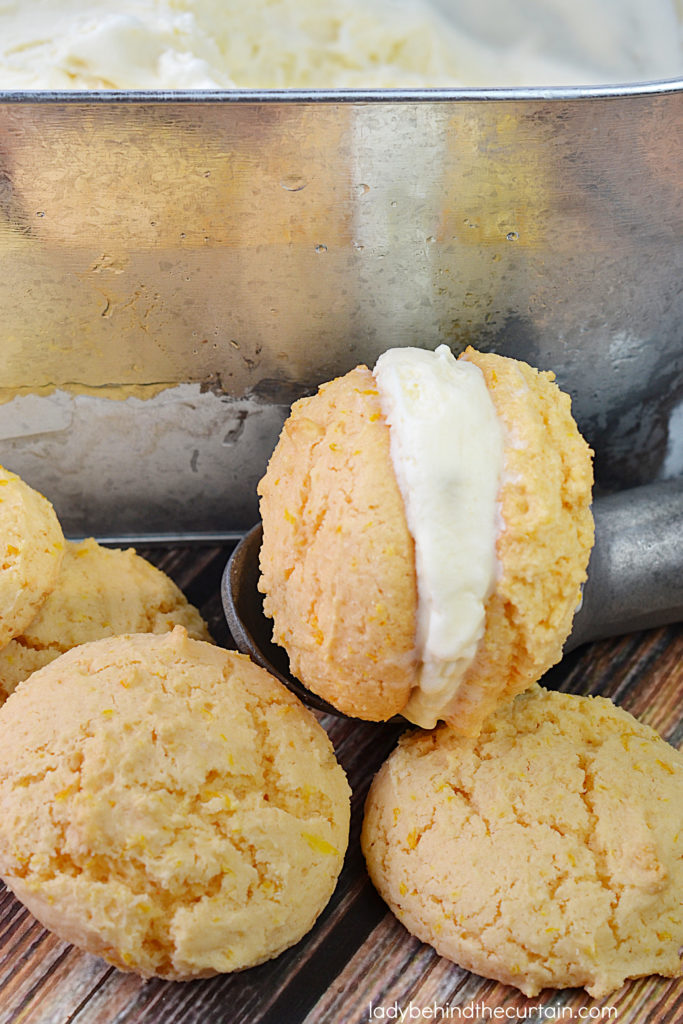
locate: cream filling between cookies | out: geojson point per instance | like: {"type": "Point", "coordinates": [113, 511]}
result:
{"type": "Point", "coordinates": [446, 444]}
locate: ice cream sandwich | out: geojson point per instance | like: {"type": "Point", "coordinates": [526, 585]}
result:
{"type": "Point", "coordinates": [426, 532]}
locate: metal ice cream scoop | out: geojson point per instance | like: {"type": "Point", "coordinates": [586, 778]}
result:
{"type": "Point", "coordinates": [635, 573]}
{"type": "Point", "coordinates": [635, 579]}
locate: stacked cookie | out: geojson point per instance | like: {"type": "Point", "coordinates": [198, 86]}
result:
{"type": "Point", "coordinates": [164, 803]}
{"type": "Point", "coordinates": [426, 532]}
{"type": "Point", "coordinates": [56, 594]}
{"type": "Point", "coordinates": [33, 548]}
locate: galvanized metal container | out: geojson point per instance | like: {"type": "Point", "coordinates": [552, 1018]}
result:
{"type": "Point", "coordinates": [177, 268]}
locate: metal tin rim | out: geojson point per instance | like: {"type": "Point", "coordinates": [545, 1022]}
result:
{"type": "Point", "coordinates": [400, 96]}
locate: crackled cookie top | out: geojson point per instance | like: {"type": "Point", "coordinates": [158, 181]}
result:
{"type": "Point", "coordinates": [546, 852]}
{"type": "Point", "coordinates": [99, 592]}
{"type": "Point", "coordinates": [31, 549]}
{"type": "Point", "coordinates": [168, 805]}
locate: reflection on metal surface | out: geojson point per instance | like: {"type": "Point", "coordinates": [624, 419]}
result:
{"type": "Point", "coordinates": [250, 250]}
{"type": "Point", "coordinates": [181, 462]}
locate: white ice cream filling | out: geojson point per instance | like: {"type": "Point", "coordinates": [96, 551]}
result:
{"type": "Point", "coordinates": [446, 444]}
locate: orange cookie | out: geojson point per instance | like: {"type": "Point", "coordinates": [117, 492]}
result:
{"type": "Point", "coordinates": [99, 592]}
{"type": "Point", "coordinates": [502, 515]}
{"type": "Point", "coordinates": [547, 851]}
{"type": "Point", "coordinates": [169, 806]}
{"type": "Point", "coordinates": [31, 553]}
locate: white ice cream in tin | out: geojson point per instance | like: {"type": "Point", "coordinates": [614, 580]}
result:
{"type": "Point", "coordinates": [281, 44]}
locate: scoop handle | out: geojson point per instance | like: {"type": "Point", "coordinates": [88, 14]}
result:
{"type": "Point", "coordinates": [635, 573]}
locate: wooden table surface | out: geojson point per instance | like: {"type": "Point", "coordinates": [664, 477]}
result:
{"type": "Point", "coordinates": [358, 964]}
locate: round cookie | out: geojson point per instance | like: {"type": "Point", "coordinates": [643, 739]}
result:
{"type": "Point", "coordinates": [30, 553]}
{"type": "Point", "coordinates": [546, 852]}
{"type": "Point", "coordinates": [168, 805]}
{"type": "Point", "coordinates": [338, 567]}
{"type": "Point", "coordinates": [99, 592]}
